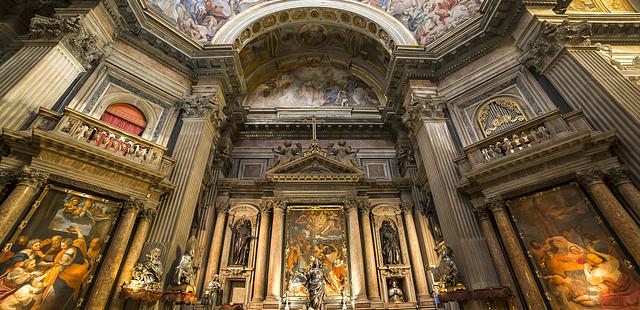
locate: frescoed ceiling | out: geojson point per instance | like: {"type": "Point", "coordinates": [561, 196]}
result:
{"type": "Point", "coordinates": [426, 19]}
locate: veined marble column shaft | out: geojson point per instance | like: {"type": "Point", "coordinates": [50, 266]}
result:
{"type": "Point", "coordinates": [617, 217]}
{"type": "Point", "coordinates": [373, 289]}
{"type": "Point", "coordinates": [133, 255]}
{"type": "Point", "coordinates": [111, 264]}
{"type": "Point", "coordinates": [261, 259]}
{"type": "Point", "coordinates": [30, 181]}
{"type": "Point", "coordinates": [425, 117]}
{"type": "Point", "coordinates": [417, 265]}
{"type": "Point", "coordinates": [502, 268]}
{"type": "Point", "coordinates": [213, 263]}
{"type": "Point", "coordinates": [519, 263]}
{"type": "Point", "coordinates": [202, 118]}
{"type": "Point", "coordinates": [630, 193]}
{"type": "Point", "coordinates": [358, 284]}
{"type": "Point", "coordinates": [274, 286]}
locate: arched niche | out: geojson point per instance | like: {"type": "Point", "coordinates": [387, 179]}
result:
{"type": "Point", "coordinates": [149, 110]}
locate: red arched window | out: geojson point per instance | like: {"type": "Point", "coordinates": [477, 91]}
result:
{"type": "Point", "coordinates": [125, 117]}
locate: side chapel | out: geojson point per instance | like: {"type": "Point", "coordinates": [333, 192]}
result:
{"type": "Point", "coordinates": [333, 154]}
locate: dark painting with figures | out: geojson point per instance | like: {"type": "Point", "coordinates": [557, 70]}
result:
{"type": "Point", "coordinates": [580, 265]}
{"type": "Point", "coordinates": [50, 260]}
{"type": "Point", "coordinates": [316, 234]}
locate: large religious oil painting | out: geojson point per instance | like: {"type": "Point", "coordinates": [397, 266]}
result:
{"type": "Point", "coordinates": [316, 234]}
{"type": "Point", "coordinates": [312, 86]}
{"type": "Point", "coordinates": [54, 253]}
{"type": "Point", "coordinates": [580, 264]}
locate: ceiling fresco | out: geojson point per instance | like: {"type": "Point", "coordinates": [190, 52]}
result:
{"type": "Point", "coordinates": [426, 19]}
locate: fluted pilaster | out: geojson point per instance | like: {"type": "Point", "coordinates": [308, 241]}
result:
{"type": "Point", "coordinates": [617, 217]}
{"type": "Point", "coordinates": [30, 181]}
{"type": "Point", "coordinates": [263, 243]}
{"type": "Point", "coordinates": [111, 264]}
{"type": "Point", "coordinates": [425, 117]}
{"type": "Point", "coordinates": [358, 284]}
{"type": "Point", "coordinates": [519, 263]}
{"type": "Point", "coordinates": [202, 119]}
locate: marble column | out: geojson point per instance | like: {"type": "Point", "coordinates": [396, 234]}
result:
{"type": "Point", "coordinates": [202, 119]}
{"type": "Point", "coordinates": [30, 181]}
{"type": "Point", "coordinates": [617, 217]}
{"type": "Point", "coordinates": [262, 258]}
{"type": "Point", "coordinates": [57, 52]}
{"type": "Point", "coordinates": [358, 284]}
{"type": "Point", "coordinates": [274, 277]}
{"type": "Point", "coordinates": [111, 263]}
{"type": "Point", "coordinates": [425, 117]}
{"type": "Point", "coordinates": [619, 177]}
{"type": "Point", "coordinates": [524, 276]}
{"type": "Point", "coordinates": [417, 265]}
{"type": "Point", "coordinates": [371, 272]}
{"type": "Point", "coordinates": [502, 267]}
{"type": "Point", "coordinates": [145, 216]}
{"type": "Point", "coordinates": [213, 263]}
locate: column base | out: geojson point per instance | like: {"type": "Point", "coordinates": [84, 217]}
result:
{"type": "Point", "coordinates": [426, 302]}
{"type": "Point", "coordinates": [363, 302]}
{"type": "Point", "coordinates": [257, 304]}
{"type": "Point", "coordinates": [271, 303]}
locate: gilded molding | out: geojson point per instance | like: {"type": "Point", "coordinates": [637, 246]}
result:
{"type": "Point", "coordinates": [33, 177]}
{"type": "Point", "coordinates": [552, 38]}
{"type": "Point", "coordinates": [618, 175]}
{"type": "Point", "coordinates": [590, 176]}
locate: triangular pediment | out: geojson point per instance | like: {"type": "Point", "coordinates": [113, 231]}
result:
{"type": "Point", "coordinates": [315, 168]}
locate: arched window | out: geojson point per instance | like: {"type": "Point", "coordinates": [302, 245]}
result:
{"type": "Point", "coordinates": [125, 117]}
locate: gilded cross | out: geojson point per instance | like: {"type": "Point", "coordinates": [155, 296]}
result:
{"type": "Point", "coordinates": [314, 122]}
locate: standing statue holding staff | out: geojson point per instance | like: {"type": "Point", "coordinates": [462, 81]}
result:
{"type": "Point", "coordinates": [316, 279]}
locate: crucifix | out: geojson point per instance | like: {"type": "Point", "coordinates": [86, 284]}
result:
{"type": "Point", "coordinates": [314, 122]}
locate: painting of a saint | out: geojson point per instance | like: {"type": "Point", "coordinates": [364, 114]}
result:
{"type": "Point", "coordinates": [315, 235]}
{"type": "Point", "coordinates": [312, 86]}
{"type": "Point", "coordinates": [51, 259]}
{"type": "Point", "coordinates": [581, 267]}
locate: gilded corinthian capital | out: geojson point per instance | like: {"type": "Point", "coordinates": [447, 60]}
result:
{"type": "Point", "coordinates": [552, 39]}
{"type": "Point", "coordinates": [420, 108]}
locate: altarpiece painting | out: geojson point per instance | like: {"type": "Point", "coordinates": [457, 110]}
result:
{"type": "Point", "coordinates": [54, 253]}
{"type": "Point", "coordinates": [316, 233]}
{"type": "Point", "coordinates": [580, 264]}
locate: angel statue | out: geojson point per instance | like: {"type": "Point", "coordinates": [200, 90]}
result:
{"type": "Point", "coordinates": [147, 275]}
{"type": "Point", "coordinates": [446, 274]}
{"type": "Point", "coordinates": [185, 272]}
{"type": "Point", "coordinates": [287, 153]}
{"type": "Point", "coordinates": [343, 153]}
{"type": "Point", "coordinates": [315, 281]}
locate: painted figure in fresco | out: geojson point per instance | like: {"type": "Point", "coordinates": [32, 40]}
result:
{"type": "Point", "coordinates": [241, 242]}
{"type": "Point", "coordinates": [343, 153]}
{"type": "Point", "coordinates": [395, 293]}
{"type": "Point", "coordinates": [68, 274]}
{"type": "Point", "coordinates": [338, 274]}
{"type": "Point", "coordinates": [315, 281]}
{"type": "Point", "coordinates": [390, 244]}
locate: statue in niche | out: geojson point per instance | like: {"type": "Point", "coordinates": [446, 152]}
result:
{"type": "Point", "coordinates": [287, 153]}
{"type": "Point", "coordinates": [395, 293]}
{"type": "Point", "coordinates": [315, 281]}
{"type": "Point", "coordinates": [390, 244]}
{"type": "Point", "coordinates": [241, 242]}
{"type": "Point", "coordinates": [343, 153]}
{"type": "Point", "coordinates": [446, 274]}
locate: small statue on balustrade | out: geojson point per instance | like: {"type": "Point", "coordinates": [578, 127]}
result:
{"type": "Point", "coordinates": [147, 275]}
{"type": "Point", "coordinates": [287, 153]}
{"type": "Point", "coordinates": [315, 283]}
{"type": "Point", "coordinates": [446, 274]}
{"type": "Point", "coordinates": [395, 293]}
{"type": "Point", "coordinates": [343, 153]}
{"type": "Point", "coordinates": [241, 242]}
{"type": "Point", "coordinates": [390, 244]}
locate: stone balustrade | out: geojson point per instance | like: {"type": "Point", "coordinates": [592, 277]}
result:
{"type": "Point", "coordinates": [535, 132]}
{"type": "Point", "coordinates": [102, 137]}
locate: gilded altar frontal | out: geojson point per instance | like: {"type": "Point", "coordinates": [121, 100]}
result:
{"type": "Point", "coordinates": [319, 155]}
